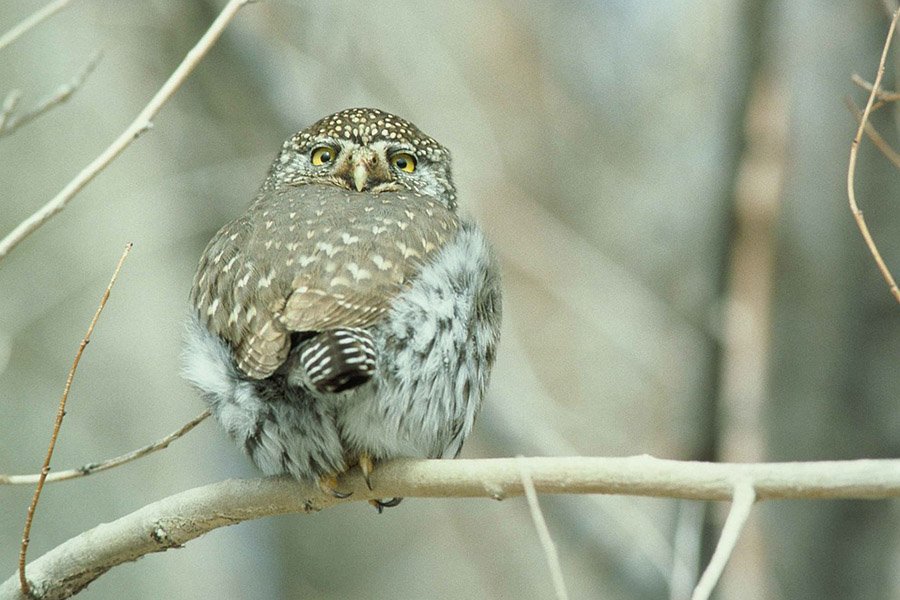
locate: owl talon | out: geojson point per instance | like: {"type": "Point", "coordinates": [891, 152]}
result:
{"type": "Point", "coordinates": [328, 485]}
{"type": "Point", "coordinates": [380, 505]}
{"type": "Point", "coordinates": [366, 465]}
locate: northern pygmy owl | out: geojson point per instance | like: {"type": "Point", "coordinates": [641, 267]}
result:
{"type": "Point", "coordinates": [350, 315]}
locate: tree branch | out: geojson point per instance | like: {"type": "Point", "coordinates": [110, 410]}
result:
{"type": "Point", "coordinates": [851, 168]}
{"type": "Point", "coordinates": [9, 122]}
{"type": "Point", "coordinates": [173, 521]}
{"type": "Point", "coordinates": [142, 123]}
{"type": "Point", "coordinates": [741, 505]}
{"type": "Point", "coordinates": [109, 463]}
{"type": "Point", "coordinates": [34, 19]}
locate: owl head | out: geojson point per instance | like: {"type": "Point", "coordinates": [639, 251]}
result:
{"type": "Point", "coordinates": [366, 150]}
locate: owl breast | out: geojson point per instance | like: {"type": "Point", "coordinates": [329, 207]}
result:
{"type": "Point", "coordinates": [435, 349]}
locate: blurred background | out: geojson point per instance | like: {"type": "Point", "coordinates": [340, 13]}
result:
{"type": "Point", "coordinates": [664, 183]}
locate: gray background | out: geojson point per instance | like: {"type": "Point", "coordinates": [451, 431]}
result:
{"type": "Point", "coordinates": [664, 182]}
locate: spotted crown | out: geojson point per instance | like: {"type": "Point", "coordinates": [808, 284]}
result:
{"type": "Point", "coordinates": [366, 125]}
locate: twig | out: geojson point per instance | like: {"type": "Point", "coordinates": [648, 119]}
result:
{"type": "Point", "coordinates": [110, 463]}
{"type": "Point", "coordinates": [60, 413]}
{"type": "Point", "coordinates": [744, 497]}
{"type": "Point", "coordinates": [559, 584]}
{"type": "Point", "coordinates": [851, 169]}
{"type": "Point", "coordinates": [880, 143]}
{"type": "Point", "coordinates": [142, 123]}
{"type": "Point", "coordinates": [64, 92]}
{"type": "Point", "coordinates": [880, 94]}
{"type": "Point", "coordinates": [34, 19]}
{"type": "Point", "coordinates": [174, 521]}
{"type": "Point", "coordinates": [9, 105]}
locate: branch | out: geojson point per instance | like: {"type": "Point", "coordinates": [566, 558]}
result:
{"type": "Point", "coordinates": [552, 556]}
{"type": "Point", "coordinates": [174, 521]}
{"type": "Point", "coordinates": [9, 123]}
{"type": "Point", "coordinates": [851, 169]}
{"type": "Point", "coordinates": [109, 463]}
{"type": "Point", "coordinates": [57, 423]}
{"type": "Point", "coordinates": [744, 497]}
{"type": "Point", "coordinates": [34, 19]}
{"type": "Point", "coordinates": [142, 123]}
{"type": "Point", "coordinates": [883, 95]}
{"type": "Point", "coordinates": [883, 146]}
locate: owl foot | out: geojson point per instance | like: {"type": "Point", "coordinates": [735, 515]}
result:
{"type": "Point", "coordinates": [380, 505]}
{"type": "Point", "coordinates": [366, 465]}
{"type": "Point", "coordinates": [328, 485]}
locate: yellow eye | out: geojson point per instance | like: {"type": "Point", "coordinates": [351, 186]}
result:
{"type": "Point", "coordinates": [404, 161]}
{"type": "Point", "coordinates": [323, 155]}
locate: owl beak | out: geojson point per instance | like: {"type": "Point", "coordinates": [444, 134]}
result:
{"type": "Point", "coordinates": [360, 176]}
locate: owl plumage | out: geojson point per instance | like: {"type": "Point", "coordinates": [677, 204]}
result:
{"type": "Point", "coordinates": [350, 315]}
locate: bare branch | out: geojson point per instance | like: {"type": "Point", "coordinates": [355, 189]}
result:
{"type": "Point", "coordinates": [559, 584]}
{"type": "Point", "coordinates": [34, 19]}
{"type": "Point", "coordinates": [60, 413]}
{"type": "Point", "coordinates": [851, 169]}
{"type": "Point", "coordinates": [883, 146]}
{"type": "Point", "coordinates": [9, 105]}
{"type": "Point", "coordinates": [110, 463]}
{"type": "Point", "coordinates": [882, 95]}
{"type": "Point", "coordinates": [9, 122]}
{"type": "Point", "coordinates": [173, 521]}
{"type": "Point", "coordinates": [141, 124]}
{"type": "Point", "coordinates": [744, 497]}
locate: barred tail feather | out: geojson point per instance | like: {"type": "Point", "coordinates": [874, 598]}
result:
{"type": "Point", "coordinates": [337, 360]}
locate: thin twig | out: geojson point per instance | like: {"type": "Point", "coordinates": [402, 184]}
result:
{"type": "Point", "coordinates": [9, 105]}
{"type": "Point", "coordinates": [880, 94]}
{"type": "Point", "coordinates": [552, 556]}
{"type": "Point", "coordinates": [62, 93]}
{"type": "Point", "coordinates": [60, 413]}
{"type": "Point", "coordinates": [880, 143]}
{"type": "Point", "coordinates": [741, 505]}
{"type": "Point", "coordinates": [142, 123]}
{"type": "Point", "coordinates": [851, 169]}
{"type": "Point", "coordinates": [34, 19]}
{"type": "Point", "coordinates": [110, 463]}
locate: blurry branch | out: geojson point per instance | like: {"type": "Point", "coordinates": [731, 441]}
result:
{"type": "Point", "coordinates": [851, 169]}
{"type": "Point", "coordinates": [883, 95]}
{"type": "Point", "coordinates": [110, 463]}
{"type": "Point", "coordinates": [142, 123]}
{"type": "Point", "coordinates": [741, 504]}
{"type": "Point", "coordinates": [883, 146]}
{"type": "Point", "coordinates": [34, 19]}
{"type": "Point", "coordinates": [174, 521]}
{"type": "Point", "coordinates": [60, 413]}
{"type": "Point", "coordinates": [9, 122]}
{"type": "Point", "coordinates": [559, 584]}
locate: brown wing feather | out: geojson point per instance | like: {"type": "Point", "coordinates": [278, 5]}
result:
{"type": "Point", "coordinates": [312, 258]}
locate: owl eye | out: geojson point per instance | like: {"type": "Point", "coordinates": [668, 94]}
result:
{"type": "Point", "coordinates": [322, 155]}
{"type": "Point", "coordinates": [404, 161]}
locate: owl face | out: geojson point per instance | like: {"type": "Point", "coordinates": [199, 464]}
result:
{"type": "Point", "coordinates": [367, 151]}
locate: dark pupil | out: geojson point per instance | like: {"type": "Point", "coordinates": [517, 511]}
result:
{"type": "Point", "coordinates": [325, 156]}
{"type": "Point", "coordinates": [401, 163]}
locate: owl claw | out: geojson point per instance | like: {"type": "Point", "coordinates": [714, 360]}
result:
{"type": "Point", "coordinates": [366, 465]}
{"type": "Point", "coordinates": [380, 505]}
{"type": "Point", "coordinates": [328, 485]}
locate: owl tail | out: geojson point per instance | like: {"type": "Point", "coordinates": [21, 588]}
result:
{"type": "Point", "coordinates": [334, 361]}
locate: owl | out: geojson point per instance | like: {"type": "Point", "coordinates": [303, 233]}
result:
{"type": "Point", "coordinates": [350, 315]}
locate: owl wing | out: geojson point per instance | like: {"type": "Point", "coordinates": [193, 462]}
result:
{"type": "Point", "coordinates": [313, 258]}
